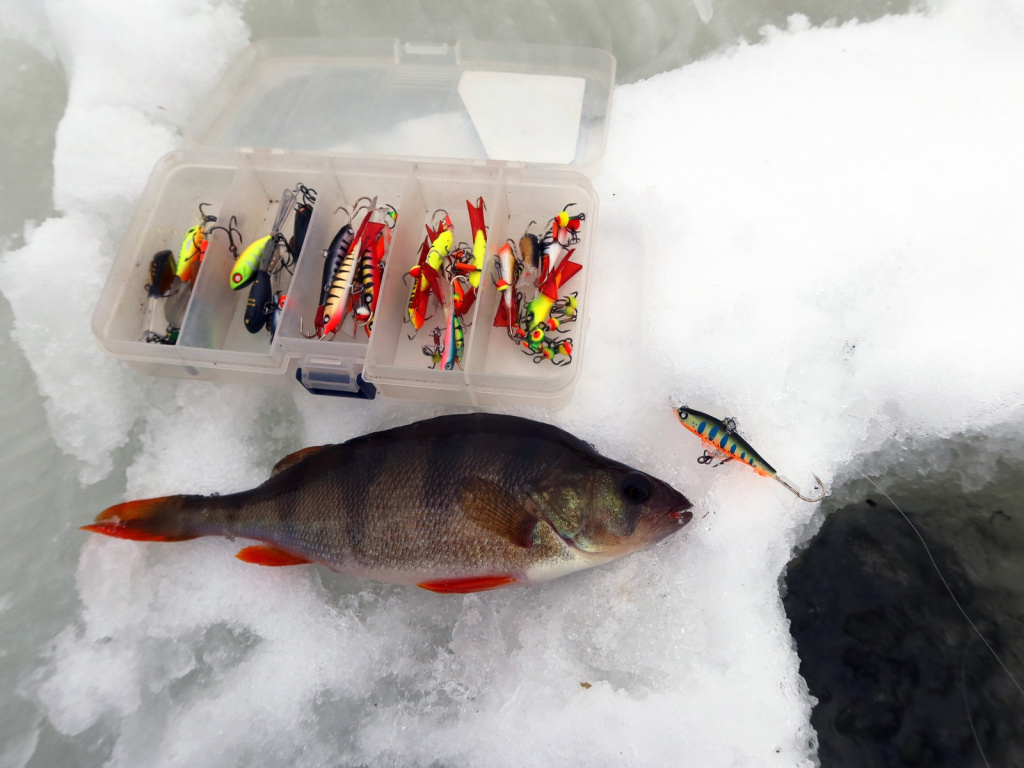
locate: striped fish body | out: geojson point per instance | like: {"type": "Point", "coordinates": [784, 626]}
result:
{"type": "Point", "coordinates": [453, 504]}
{"type": "Point", "coordinates": [717, 437]}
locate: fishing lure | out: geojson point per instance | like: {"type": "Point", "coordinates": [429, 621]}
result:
{"type": "Point", "coordinates": [470, 263]}
{"type": "Point", "coordinates": [419, 299]}
{"type": "Point", "coordinates": [531, 250]}
{"type": "Point", "coordinates": [274, 316]}
{"type": "Point", "coordinates": [723, 442]}
{"type": "Point", "coordinates": [337, 297]}
{"type": "Point", "coordinates": [551, 267]}
{"type": "Point", "coordinates": [425, 273]}
{"type": "Point", "coordinates": [508, 268]}
{"type": "Point", "coordinates": [259, 305]}
{"type": "Point", "coordinates": [247, 265]}
{"type": "Point", "coordinates": [169, 337]}
{"type": "Point", "coordinates": [454, 335]}
{"type": "Point", "coordinates": [434, 352]}
{"type": "Point", "coordinates": [363, 292]}
{"type": "Point", "coordinates": [537, 317]}
{"type": "Point", "coordinates": [554, 246]}
{"type": "Point", "coordinates": [556, 351]}
{"type": "Point", "coordinates": [303, 214]}
{"type": "Point", "coordinates": [371, 268]}
{"type": "Point", "coordinates": [479, 231]}
{"type": "Point", "coordinates": [161, 275]}
{"type": "Point", "coordinates": [565, 228]}
{"type": "Point", "coordinates": [333, 255]}
{"type": "Point", "coordinates": [339, 263]}
{"type": "Point", "coordinates": [567, 307]}
{"type": "Point", "coordinates": [193, 247]}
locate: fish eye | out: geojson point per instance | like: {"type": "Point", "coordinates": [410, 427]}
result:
{"type": "Point", "coordinates": [636, 486]}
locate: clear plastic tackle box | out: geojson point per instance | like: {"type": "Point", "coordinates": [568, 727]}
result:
{"type": "Point", "coordinates": [422, 129]}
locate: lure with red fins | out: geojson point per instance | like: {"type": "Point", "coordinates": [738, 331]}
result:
{"type": "Point", "coordinates": [454, 504]}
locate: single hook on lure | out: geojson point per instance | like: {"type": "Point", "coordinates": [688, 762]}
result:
{"type": "Point", "coordinates": [722, 441]}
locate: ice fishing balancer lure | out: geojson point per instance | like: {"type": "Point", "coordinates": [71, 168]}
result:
{"type": "Point", "coordinates": [193, 247]}
{"type": "Point", "coordinates": [722, 441]}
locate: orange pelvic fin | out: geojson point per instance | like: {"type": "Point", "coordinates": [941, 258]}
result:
{"type": "Point", "coordinates": [466, 585]}
{"type": "Point", "coordinates": [263, 554]}
{"type": "Point", "coordinates": [142, 520]}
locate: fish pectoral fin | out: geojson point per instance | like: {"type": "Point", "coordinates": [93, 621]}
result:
{"type": "Point", "coordinates": [494, 509]}
{"type": "Point", "coordinates": [294, 458]}
{"type": "Point", "coordinates": [466, 585]}
{"type": "Point", "coordinates": [262, 554]}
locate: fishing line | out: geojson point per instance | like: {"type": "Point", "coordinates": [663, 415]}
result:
{"type": "Point", "coordinates": [967, 705]}
{"type": "Point", "coordinates": [946, 583]}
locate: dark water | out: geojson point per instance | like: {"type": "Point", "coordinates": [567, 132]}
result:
{"type": "Point", "coordinates": [901, 677]}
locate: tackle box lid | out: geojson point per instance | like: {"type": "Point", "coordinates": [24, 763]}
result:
{"type": "Point", "coordinates": [529, 105]}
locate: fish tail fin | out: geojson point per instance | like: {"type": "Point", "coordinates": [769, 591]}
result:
{"type": "Point", "coordinates": [159, 519]}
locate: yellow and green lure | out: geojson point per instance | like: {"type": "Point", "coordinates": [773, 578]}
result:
{"type": "Point", "coordinates": [247, 265]}
{"type": "Point", "coordinates": [723, 442]}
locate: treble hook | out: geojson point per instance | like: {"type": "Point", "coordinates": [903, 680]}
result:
{"type": "Point", "coordinates": [231, 228]}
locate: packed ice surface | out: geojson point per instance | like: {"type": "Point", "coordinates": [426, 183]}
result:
{"type": "Point", "coordinates": [820, 235]}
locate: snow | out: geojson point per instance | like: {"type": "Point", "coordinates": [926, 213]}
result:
{"type": "Point", "coordinates": [819, 234]}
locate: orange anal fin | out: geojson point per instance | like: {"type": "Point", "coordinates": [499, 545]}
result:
{"type": "Point", "coordinates": [262, 554]}
{"type": "Point", "coordinates": [466, 585]}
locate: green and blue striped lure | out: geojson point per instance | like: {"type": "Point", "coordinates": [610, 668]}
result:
{"type": "Point", "coordinates": [722, 441]}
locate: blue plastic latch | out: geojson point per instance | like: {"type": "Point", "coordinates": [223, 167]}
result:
{"type": "Point", "coordinates": [335, 383]}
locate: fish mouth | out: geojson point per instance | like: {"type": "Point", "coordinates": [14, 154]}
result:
{"type": "Point", "coordinates": [681, 514]}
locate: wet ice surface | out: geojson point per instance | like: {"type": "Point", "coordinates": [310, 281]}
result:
{"type": "Point", "coordinates": [819, 235]}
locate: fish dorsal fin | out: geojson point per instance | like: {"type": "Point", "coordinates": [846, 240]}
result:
{"type": "Point", "coordinates": [294, 458]}
{"type": "Point", "coordinates": [494, 509]}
